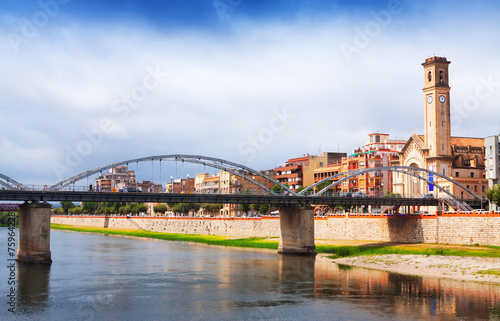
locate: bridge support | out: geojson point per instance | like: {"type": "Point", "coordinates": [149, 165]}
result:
{"type": "Point", "coordinates": [34, 233]}
{"type": "Point", "coordinates": [297, 231]}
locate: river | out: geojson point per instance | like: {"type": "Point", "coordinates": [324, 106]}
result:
{"type": "Point", "coordinates": [99, 277]}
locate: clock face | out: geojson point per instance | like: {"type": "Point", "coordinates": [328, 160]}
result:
{"type": "Point", "coordinates": [442, 98]}
{"type": "Point", "coordinates": [429, 99]}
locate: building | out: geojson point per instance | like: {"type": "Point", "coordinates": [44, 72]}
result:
{"type": "Point", "coordinates": [299, 172]}
{"type": "Point", "coordinates": [228, 183]}
{"type": "Point", "coordinates": [181, 185]}
{"type": "Point", "coordinates": [379, 151]}
{"type": "Point", "coordinates": [492, 159]}
{"type": "Point", "coordinates": [459, 158]}
{"type": "Point", "coordinates": [119, 178]}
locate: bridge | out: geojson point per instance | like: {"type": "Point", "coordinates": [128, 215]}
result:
{"type": "Point", "coordinates": [296, 213]}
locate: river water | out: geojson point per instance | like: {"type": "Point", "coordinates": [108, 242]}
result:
{"type": "Point", "coordinates": [99, 277]}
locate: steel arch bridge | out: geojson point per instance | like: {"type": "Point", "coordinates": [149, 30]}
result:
{"type": "Point", "coordinates": [407, 170]}
{"type": "Point", "coordinates": [10, 183]}
{"type": "Point", "coordinates": [213, 162]}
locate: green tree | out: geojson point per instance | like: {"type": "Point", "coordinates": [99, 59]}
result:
{"type": "Point", "coordinates": [323, 185]}
{"type": "Point", "coordinates": [493, 194]}
{"type": "Point", "coordinates": [278, 189]}
{"type": "Point", "coordinates": [66, 205]}
{"type": "Point", "coordinates": [89, 207]}
{"type": "Point", "coordinates": [263, 208]}
{"type": "Point", "coordinates": [58, 210]}
{"type": "Point", "coordinates": [244, 208]}
{"type": "Point", "coordinates": [160, 208]}
{"type": "Point", "coordinates": [140, 208]}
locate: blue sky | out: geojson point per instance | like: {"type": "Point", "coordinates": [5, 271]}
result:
{"type": "Point", "coordinates": [86, 83]}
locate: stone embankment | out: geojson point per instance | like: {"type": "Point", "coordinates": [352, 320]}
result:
{"type": "Point", "coordinates": [453, 228]}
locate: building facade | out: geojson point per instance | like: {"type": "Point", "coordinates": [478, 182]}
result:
{"type": "Point", "coordinates": [379, 151]}
{"type": "Point", "coordinates": [459, 158]}
{"type": "Point", "coordinates": [299, 172]}
{"type": "Point", "coordinates": [492, 159]}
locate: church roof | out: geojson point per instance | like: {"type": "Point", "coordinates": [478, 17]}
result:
{"type": "Point", "coordinates": [467, 141]}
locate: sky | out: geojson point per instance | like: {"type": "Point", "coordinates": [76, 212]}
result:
{"type": "Point", "coordinates": [85, 83]}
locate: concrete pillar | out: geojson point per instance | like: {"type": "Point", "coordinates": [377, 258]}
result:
{"type": "Point", "coordinates": [297, 231]}
{"type": "Point", "coordinates": [34, 233]}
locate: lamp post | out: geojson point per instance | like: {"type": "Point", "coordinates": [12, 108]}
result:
{"type": "Point", "coordinates": [481, 190]}
{"type": "Point", "coordinates": [187, 183]}
{"type": "Point", "coordinates": [171, 184]}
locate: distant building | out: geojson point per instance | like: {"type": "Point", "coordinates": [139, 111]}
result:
{"type": "Point", "coordinates": [181, 185]}
{"type": "Point", "coordinates": [228, 183]}
{"type": "Point", "coordinates": [299, 172]}
{"type": "Point", "coordinates": [379, 151]}
{"type": "Point", "coordinates": [492, 159]}
{"type": "Point", "coordinates": [119, 178]}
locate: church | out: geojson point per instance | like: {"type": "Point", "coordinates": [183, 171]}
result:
{"type": "Point", "coordinates": [459, 158]}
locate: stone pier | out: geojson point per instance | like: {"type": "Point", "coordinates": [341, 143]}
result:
{"type": "Point", "coordinates": [34, 233]}
{"type": "Point", "coordinates": [297, 231]}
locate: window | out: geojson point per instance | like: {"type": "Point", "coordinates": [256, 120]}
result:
{"type": "Point", "coordinates": [475, 188]}
{"type": "Point", "coordinates": [472, 174]}
{"type": "Point", "coordinates": [320, 164]}
{"type": "Point", "coordinates": [440, 76]}
{"type": "Point", "coordinates": [430, 75]}
{"type": "Point", "coordinates": [457, 174]}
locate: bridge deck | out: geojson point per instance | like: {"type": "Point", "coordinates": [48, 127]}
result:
{"type": "Point", "coordinates": [282, 200]}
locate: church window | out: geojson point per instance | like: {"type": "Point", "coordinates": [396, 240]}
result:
{"type": "Point", "coordinates": [440, 76]}
{"type": "Point", "coordinates": [430, 75]}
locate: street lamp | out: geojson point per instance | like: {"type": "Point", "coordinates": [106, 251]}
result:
{"type": "Point", "coordinates": [481, 190]}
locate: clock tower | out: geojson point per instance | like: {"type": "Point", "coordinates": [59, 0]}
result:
{"type": "Point", "coordinates": [437, 108]}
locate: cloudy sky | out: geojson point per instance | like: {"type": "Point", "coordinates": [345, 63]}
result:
{"type": "Point", "coordinates": [85, 83]}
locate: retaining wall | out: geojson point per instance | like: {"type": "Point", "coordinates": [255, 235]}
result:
{"type": "Point", "coordinates": [452, 228]}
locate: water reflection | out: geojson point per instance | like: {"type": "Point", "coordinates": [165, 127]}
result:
{"type": "Point", "coordinates": [94, 277]}
{"type": "Point", "coordinates": [32, 287]}
{"type": "Point", "coordinates": [405, 295]}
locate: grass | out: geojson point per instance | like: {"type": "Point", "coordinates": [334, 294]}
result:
{"type": "Point", "coordinates": [337, 251]}
{"type": "Point", "coordinates": [253, 242]}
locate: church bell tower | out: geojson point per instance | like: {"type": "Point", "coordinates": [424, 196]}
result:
{"type": "Point", "coordinates": [437, 107]}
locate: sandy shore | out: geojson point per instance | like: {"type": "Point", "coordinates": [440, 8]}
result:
{"type": "Point", "coordinates": [477, 269]}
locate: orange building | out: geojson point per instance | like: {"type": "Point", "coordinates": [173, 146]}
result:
{"type": "Point", "coordinates": [299, 172]}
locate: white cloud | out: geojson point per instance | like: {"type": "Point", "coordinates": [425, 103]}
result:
{"type": "Point", "coordinates": [221, 90]}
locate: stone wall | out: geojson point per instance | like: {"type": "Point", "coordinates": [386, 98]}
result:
{"type": "Point", "coordinates": [456, 228]}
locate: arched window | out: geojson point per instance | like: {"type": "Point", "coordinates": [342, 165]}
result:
{"type": "Point", "coordinates": [430, 75]}
{"type": "Point", "coordinates": [440, 76]}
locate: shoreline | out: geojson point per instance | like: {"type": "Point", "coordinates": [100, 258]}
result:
{"type": "Point", "coordinates": [462, 268]}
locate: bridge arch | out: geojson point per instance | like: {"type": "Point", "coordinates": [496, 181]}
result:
{"type": "Point", "coordinates": [10, 183]}
{"type": "Point", "coordinates": [401, 169]}
{"type": "Point", "coordinates": [218, 163]}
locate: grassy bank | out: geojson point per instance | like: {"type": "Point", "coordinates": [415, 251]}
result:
{"type": "Point", "coordinates": [336, 250]}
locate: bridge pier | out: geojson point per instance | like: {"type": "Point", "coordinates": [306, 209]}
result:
{"type": "Point", "coordinates": [34, 233]}
{"type": "Point", "coordinates": [297, 231]}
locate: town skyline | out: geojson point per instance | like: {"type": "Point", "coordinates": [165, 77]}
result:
{"type": "Point", "coordinates": [253, 84]}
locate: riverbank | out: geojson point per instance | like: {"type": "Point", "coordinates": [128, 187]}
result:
{"type": "Point", "coordinates": [477, 269]}
{"type": "Point", "coordinates": [467, 263]}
